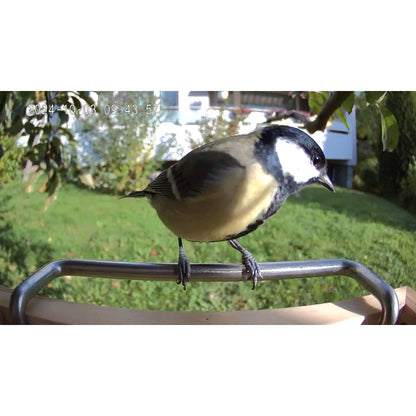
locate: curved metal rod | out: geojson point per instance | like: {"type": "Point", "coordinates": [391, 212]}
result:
{"type": "Point", "coordinates": [203, 273]}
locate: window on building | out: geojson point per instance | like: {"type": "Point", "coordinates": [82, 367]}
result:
{"type": "Point", "coordinates": [169, 99]}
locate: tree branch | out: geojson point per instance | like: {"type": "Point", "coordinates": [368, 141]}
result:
{"type": "Point", "coordinates": [289, 114]}
{"type": "Point", "coordinates": [334, 101]}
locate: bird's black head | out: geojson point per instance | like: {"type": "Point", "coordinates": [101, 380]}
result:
{"type": "Point", "coordinates": [293, 155]}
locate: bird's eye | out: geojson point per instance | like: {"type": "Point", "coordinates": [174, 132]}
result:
{"type": "Point", "coordinates": [317, 160]}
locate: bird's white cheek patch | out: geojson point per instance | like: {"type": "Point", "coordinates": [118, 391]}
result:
{"type": "Point", "coordinates": [295, 161]}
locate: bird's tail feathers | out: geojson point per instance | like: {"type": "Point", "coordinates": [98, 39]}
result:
{"type": "Point", "coordinates": [137, 194]}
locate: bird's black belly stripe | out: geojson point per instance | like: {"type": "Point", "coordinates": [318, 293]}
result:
{"type": "Point", "coordinates": [278, 200]}
{"type": "Point", "coordinates": [253, 226]}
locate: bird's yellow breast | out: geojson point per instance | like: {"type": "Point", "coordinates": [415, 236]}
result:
{"type": "Point", "coordinates": [238, 201]}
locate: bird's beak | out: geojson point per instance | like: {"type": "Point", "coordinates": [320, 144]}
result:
{"type": "Point", "coordinates": [325, 181]}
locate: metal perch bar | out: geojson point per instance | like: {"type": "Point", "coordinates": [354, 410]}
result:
{"type": "Point", "coordinates": [204, 273]}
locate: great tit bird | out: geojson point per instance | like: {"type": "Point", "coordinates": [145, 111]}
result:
{"type": "Point", "coordinates": [227, 188]}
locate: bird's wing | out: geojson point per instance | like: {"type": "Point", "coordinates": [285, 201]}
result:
{"type": "Point", "coordinates": [199, 173]}
{"type": "Point", "coordinates": [161, 185]}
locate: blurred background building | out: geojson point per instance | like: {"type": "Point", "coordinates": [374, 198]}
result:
{"type": "Point", "coordinates": [183, 110]}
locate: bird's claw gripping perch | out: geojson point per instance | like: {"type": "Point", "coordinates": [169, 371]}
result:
{"type": "Point", "coordinates": [249, 262]}
{"type": "Point", "coordinates": [184, 267]}
{"type": "Point", "coordinates": [252, 267]}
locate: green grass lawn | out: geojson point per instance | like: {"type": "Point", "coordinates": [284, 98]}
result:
{"type": "Point", "coordinates": [88, 225]}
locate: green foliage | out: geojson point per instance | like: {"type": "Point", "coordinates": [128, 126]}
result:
{"type": "Point", "coordinates": [367, 121]}
{"type": "Point", "coordinates": [227, 123]}
{"type": "Point", "coordinates": [389, 129]}
{"type": "Point", "coordinates": [42, 116]}
{"type": "Point", "coordinates": [374, 96]}
{"type": "Point", "coordinates": [366, 175]}
{"type": "Point", "coordinates": [389, 125]}
{"type": "Point", "coordinates": [91, 225]}
{"type": "Point", "coordinates": [385, 171]}
{"type": "Point", "coordinates": [394, 165]}
{"type": "Point", "coordinates": [377, 99]}
{"type": "Point", "coordinates": [348, 104]}
{"type": "Point", "coordinates": [115, 142]}
{"type": "Point", "coordinates": [13, 109]}
{"type": "Point", "coordinates": [316, 100]}
{"type": "Point", "coordinates": [408, 185]}
{"type": "Point", "coordinates": [11, 157]}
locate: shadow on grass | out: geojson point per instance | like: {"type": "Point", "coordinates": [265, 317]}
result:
{"type": "Point", "coordinates": [364, 207]}
{"type": "Point", "coordinates": [19, 256]}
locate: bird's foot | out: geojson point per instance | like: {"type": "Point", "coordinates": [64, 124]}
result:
{"type": "Point", "coordinates": [184, 268]}
{"type": "Point", "coordinates": [249, 262]}
{"type": "Point", "coordinates": [252, 267]}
